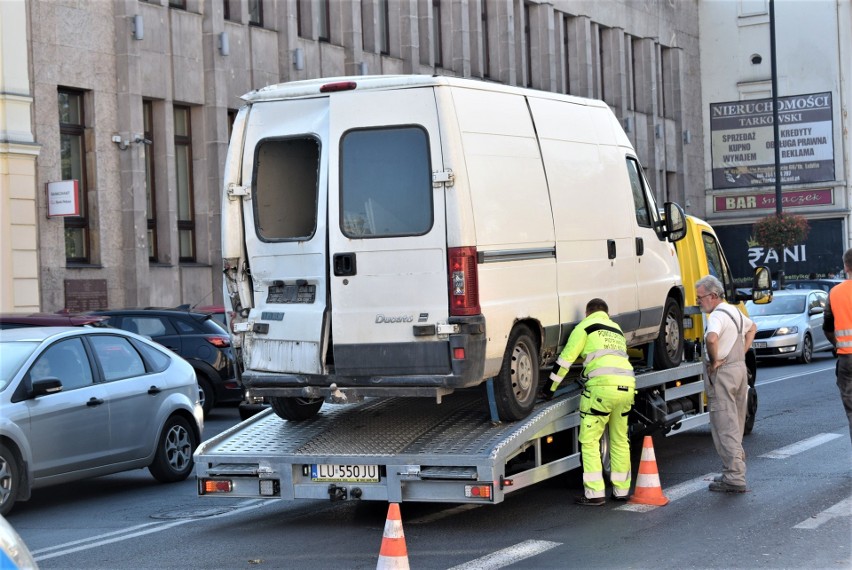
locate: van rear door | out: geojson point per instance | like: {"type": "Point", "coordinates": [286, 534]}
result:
{"type": "Point", "coordinates": [285, 236]}
{"type": "Point", "coordinates": [387, 234]}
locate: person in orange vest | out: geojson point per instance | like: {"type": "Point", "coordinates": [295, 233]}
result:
{"type": "Point", "coordinates": [838, 328]}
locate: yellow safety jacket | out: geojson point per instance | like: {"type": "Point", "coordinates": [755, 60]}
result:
{"type": "Point", "coordinates": [600, 342]}
{"type": "Point", "coordinates": [840, 299]}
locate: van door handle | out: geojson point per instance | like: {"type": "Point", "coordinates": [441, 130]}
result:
{"type": "Point", "coordinates": [344, 264]}
{"type": "Point", "coordinates": [610, 248]}
{"type": "Point", "coordinates": [640, 246]}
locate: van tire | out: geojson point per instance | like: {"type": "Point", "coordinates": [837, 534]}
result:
{"type": "Point", "coordinates": [668, 348]}
{"type": "Point", "coordinates": [296, 409]}
{"type": "Point", "coordinates": [516, 385]}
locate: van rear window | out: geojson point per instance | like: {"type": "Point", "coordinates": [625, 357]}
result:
{"type": "Point", "coordinates": [285, 188]}
{"type": "Point", "coordinates": [385, 183]}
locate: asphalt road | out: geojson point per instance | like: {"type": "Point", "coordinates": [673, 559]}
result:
{"type": "Point", "coordinates": [797, 514]}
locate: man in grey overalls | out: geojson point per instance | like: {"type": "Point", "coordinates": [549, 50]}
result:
{"type": "Point", "coordinates": [728, 337]}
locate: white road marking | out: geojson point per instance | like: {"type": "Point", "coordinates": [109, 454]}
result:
{"type": "Point", "coordinates": [133, 532]}
{"type": "Point", "coordinates": [804, 445]}
{"type": "Point", "coordinates": [506, 556]}
{"type": "Point", "coordinates": [797, 375]}
{"type": "Point", "coordinates": [672, 494]}
{"type": "Point", "coordinates": [841, 509]}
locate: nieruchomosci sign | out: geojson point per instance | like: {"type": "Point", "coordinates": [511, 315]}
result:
{"type": "Point", "coordinates": [742, 141]}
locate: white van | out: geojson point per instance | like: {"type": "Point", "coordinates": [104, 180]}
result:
{"type": "Point", "coordinates": [414, 235]}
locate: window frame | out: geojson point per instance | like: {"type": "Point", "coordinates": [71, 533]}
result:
{"type": "Point", "coordinates": [186, 224]}
{"type": "Point", "coordinates": [150, 181]}
{"type": "Point", "coordinates": [78, 131]}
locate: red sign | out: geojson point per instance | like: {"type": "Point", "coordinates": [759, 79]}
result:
{"type": "Point", "coordinates": [63, 198]}
{"type": "Point", "coordinates": [820, 197]}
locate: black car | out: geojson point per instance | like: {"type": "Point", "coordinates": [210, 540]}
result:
{"type": "Point", "coordinates": [198, 338]}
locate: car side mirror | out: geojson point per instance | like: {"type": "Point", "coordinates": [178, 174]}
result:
{"type": "Point", "coordinates": [816, 311]}
{"type": "Point", "coordinates": [45, 386]}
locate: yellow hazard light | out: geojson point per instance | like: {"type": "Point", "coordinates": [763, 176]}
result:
{"type": "Point", "coordinates": [217, 486]}
{"type": "Point", "coordinates": [477, 491]}
{"type": "Point", "coordinates": [548, 439]}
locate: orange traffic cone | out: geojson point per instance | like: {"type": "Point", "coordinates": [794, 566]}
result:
{"type": "Point", "coordinates": [393, 554]}
{"type": "Point", "coordinates": [648, 490]}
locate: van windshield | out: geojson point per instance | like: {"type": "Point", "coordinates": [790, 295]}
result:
{"type": "Point", "coordinates": [385, 183]}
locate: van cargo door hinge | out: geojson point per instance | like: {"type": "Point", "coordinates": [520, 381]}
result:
{"type": "Point", "coordinates": [236, 191]}
{"type": "Point", "coordinates": [446, 177]}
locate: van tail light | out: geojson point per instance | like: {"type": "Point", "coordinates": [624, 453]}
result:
{"type": "Point", "coordinates": [218, 341]}
{"type": "Point", "coordinates": [338, 86]}
{"type": "Point", "coordinates": [463, 281]}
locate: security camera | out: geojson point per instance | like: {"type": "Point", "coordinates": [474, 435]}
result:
{"type": "Point", "coordinates": [141, 139]}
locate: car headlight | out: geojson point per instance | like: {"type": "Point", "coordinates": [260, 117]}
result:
{"type": "Point", "coordinates": [786, 330]}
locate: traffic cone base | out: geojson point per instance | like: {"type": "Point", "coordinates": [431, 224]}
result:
{"type": "Point", "coordinates": [393, 554]}
{"type": "Point", "coordinates": [648, 490]}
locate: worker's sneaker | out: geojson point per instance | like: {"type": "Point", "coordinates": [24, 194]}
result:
{"type": "Point", "coordinates": [722, 487]}
{"type": "Point", "coordinates": [584, 500]}
{"type": "Point", "coordinates": [615, 497]}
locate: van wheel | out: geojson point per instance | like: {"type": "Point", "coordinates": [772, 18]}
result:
{"type": "Point", "coordinates": [10, 479]}
{"type": "Point", "coordinates": [296, 409]}
{"type": "Point", "coordinates": [668, 348]}
{"type": "Point", "coordinates": [516, 385]}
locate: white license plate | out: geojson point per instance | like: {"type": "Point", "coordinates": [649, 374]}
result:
{"type": "Point", "coordinates": [345, 473]}
{"type": "Point", "coordinates": [758, 345]}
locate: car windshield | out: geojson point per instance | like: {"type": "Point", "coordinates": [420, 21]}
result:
{"type": "Point", "coordinates": [14, 355]}
{"type": "Point", "coordinates": [793, 305]}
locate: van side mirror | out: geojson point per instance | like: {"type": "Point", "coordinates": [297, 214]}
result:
{"type": "Point", "coordinates": [761, 286]}
{"type": "Point", "coordinates": [675, 223]}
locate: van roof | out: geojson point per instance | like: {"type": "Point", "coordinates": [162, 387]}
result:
{"type": "Point", "coordinates": [311, 87]}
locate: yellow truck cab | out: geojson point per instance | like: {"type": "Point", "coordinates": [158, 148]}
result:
{"type": "Point", "coordinates": [700, 254]}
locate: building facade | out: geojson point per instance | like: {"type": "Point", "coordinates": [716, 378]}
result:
{"type": "Point", "coordinates": [814, 69]}
{"type": "Point", "coordinates": [134, 100]}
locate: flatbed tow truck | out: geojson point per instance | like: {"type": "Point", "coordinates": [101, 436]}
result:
{"type": "Point", "coordinates": [388, 449]}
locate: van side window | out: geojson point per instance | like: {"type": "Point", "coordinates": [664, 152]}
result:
{"type": "Point", "coordinates": [640, 197]}
{"type": "Point", "coordinates": [285, 188]}
{"type": "Point", "coordinates": [385, 182]}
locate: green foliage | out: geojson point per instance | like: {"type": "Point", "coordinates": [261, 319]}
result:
{"type": "Point", "coordinates": [777, 231]}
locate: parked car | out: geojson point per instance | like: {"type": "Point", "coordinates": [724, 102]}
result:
{"type": "Point", "coordinates": [15, 320]}
{"type": "Point", "coordinates": [195, 336]}
{"type": "Point", "coordinates": [216, 311]}
{"type": "Point", "coordinates": [81, 402]}
{"type": "Point", "coordinates": [791, 325]}
{"type": "Point", "coordinates": [822, 284]}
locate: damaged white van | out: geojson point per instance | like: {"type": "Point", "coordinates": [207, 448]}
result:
{"type": "Point", "coordinates": [416, 235]}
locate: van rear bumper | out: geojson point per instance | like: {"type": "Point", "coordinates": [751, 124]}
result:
{"type": "Point", "coordinates": [429, 368]}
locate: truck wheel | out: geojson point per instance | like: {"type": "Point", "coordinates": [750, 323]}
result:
{"type": "Point", "coordinates": [173, 459]}
{"type": "Point", "coordinates": [296, 409]}
{"type": "Point", "coordinates": [516, 385]}
{"type": "Point", "coordinates": [10, 479]}
{"type": "Point", "coordinates": [751, 410]}
{"type": "Point", "coordinates": [668, 349]}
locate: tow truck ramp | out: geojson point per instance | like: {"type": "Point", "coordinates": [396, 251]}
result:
{"type": "Point", "coordinates": [407, 449]}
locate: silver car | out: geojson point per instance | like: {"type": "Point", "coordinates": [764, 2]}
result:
{"type": "Point", "coordinates": [81, 402]}
{"type": "Point", "coordinates": [791, 325]}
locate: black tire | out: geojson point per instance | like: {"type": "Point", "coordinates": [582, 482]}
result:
{"type": "Point", "coordinates": [668, 348]}
{"type": "Point", "coordinates": [296, 409]}
{"type": "Point", "coordinates": [173, 459]}
{"type": "Point", "coordinates": [751, 410]}
{"type": "Point", "coordinates": [807, 350]}
{"type": "Point", "coordinates": [516, 385]}
{"type": "Point", "coordinates": [205, 393]}
{"type": "Point", "coordinates": [10, 479]}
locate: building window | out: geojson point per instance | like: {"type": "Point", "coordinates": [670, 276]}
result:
{"type": "Point", "coordinates": [255, 10]}
{"type": "Point", "coordinates": [183, 175]}
{"type": "Point", "coordinates": [527, 46]}
{"type": "Point", "coordinates": [150, 185]}
{"type": "Point", "coordinates": [486, 56]}
{"type": "Point", "coordinates": [384, 27]}
{"type": "Point", "coordinates": [180, 4]}
{"type": "Point", "coordinates": [437, 44]}
{"type": "Point", "coordinates": [566, 52]}
{"type": "Point", "coordinates": [72, 151]}
{"type": "Point", "coordinates": [324, 21]}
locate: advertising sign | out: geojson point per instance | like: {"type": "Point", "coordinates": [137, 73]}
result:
{"type": "Point", "coordinates": [820, 254]}
{"type": "Point", "coordinates": [63, 198]}
{"type": "Point", "coordinates": [817, 197]}
{"type": "Point", "coordinates": [742, 141]}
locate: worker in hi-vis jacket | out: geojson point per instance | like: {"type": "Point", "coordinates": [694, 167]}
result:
{"type": "Point", "coordinates": [610, 387]}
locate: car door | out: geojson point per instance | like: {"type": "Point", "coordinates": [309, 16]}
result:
{"type": "Point", "coordinates": [68, 430]}
{"type": "Point", "coordinates": [386, 233]}
{"type": "Point", "coordinates": [818, 300]}
{"type": "Point", "coordinates": [135, 396]}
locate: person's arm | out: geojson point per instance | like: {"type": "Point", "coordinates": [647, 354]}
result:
{"type": "Point", "coordinates": [712, 342]}
{"type": "Point", "coordinates": [828, 324]}
{"type": "Point", "coordinates": [749, 337]}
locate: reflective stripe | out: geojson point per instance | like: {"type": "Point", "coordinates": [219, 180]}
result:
{"type": "Point", "coordinates": [611, 371]}
{"type": "Point", "coordinates": [590, 477]}
{"type": "Point", "coordinates": [603, 352]}
{"type": "Point", "coordinates": [844, 343]}
{"type": "Point", "coordinates": [618, 476]}
{"type": "Point", "coordinates": [555, 377]}
{"type": "Point", "coordinates": [563, 363]}
{"type": "Point", "coordinates": [846, 332]}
